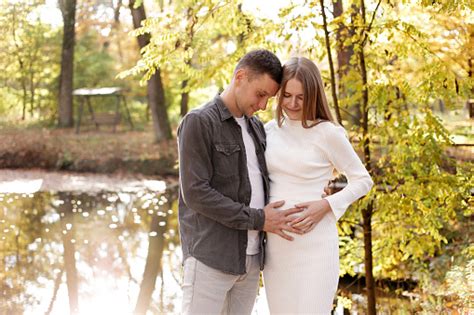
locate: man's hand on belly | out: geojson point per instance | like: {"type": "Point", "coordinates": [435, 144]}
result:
{"type": "Point", "coordinates": [278, 221]}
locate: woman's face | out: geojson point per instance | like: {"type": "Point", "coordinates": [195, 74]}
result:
{"type": "Point", "coordinates": [292, 99]}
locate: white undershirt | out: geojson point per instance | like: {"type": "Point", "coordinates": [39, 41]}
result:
{"type": "Point", "coordinates": [257, 199]}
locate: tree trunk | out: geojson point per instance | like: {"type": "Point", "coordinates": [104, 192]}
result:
{"type": "Point", "coordinates": [192, 20]}
{"type": "Point", "coordinates": [331, 65]}
{"type": "Point", "coordinates": [155, 89]}
{"type": "Point", "coordinates": [368, 259]}
{"type": "Point", "coordinates": [65, 102]}
{"type": "Point", "coordinates": [32, 92]}
{"type": "Point", "coordinates": [116, 29]}
{"type": "Point", "coordinates": [184, 99]}
{"type": "Point", "coordinates": [67, 224]}
{"type": "Point", "coordinates": [153, 265]}
{"type": "Point", "coordinates": [365, 109]}
{"type": "Point", "coordinates": [470, 102]}
{"type": "Point", "coordinates": [248, 28]}
{"type": "Point", "coordinates": [117, 11]}
{"type": "Point", "coordinates": [365, 97]}
{"type": "Point", "coordinates": [21, 64]}
{"type": "Point", "coordinates": [366, 213]}
{"type": "Point", "coordinates": [23, 86]}
{"type": "Point", "coordinates": [57, 284]}
{"type": "Point", "coordinates": [344, 54]}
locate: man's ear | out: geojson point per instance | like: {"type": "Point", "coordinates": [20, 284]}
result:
{"type": "Point", "coordinates": [240, 75]}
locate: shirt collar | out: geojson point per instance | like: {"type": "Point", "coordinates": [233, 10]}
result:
{"type": "Point", "coordinates": [223, 110]}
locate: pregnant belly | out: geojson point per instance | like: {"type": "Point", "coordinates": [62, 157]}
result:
{"type": "Point", "coordinates": [311, 245]}
{"type": "Point", "coordinates": [324, 230]}
{"type": "Point", "coordinates": [294, 194]}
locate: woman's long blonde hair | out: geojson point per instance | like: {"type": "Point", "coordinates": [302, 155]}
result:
{"type": "Point", "coordinates": [315, 104]}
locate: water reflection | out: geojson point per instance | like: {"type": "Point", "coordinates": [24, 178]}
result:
{"type": "Point", "coordinates": [95, 253]}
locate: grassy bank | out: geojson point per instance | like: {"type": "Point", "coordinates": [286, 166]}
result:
{"type": "Point", "coordinates": [91, 151]}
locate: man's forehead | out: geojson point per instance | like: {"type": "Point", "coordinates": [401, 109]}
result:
{"type": "Point", "coordinates": [266, 84]}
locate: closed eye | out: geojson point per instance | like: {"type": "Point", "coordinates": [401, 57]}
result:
{"type": "Point", "coordinates": [299, 96]}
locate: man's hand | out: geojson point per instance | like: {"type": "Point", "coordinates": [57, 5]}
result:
{"type": "Point", "coordinates": [277, 221]}
{"type": "Point", "coordinates": [334, 185]}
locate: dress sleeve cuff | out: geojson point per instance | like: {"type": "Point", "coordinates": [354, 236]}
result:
{"type": "Point", "coordinates": [338, 206]}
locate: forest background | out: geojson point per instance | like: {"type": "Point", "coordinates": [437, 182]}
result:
{"type": "Point", "coordinates": [398, 74]}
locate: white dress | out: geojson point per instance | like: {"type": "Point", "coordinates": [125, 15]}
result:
{"type": "Point", "coordinates": [301, 276]}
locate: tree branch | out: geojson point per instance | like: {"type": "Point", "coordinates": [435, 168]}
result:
{"type": "Point", "coordinates": [366, 31]}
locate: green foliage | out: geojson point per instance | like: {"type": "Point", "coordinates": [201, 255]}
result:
{"type": "Point", "coordinates": [420, 193]}
{"type": "Point", "coordinates": [198, 42]}
{"type": "Point", "coordinates": [416, 54]}
{"type": "Point", "coordinates": [93, 64]}
{"type": "Point", "coordinates": [421, 196]}
{"type": "Point", "coordinates": [29, 57]}
{"type": "Point", "coordinates": [448, 285]}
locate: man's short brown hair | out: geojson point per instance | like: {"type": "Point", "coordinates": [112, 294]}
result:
{"type": "Point", "coordinates": [262, 61]}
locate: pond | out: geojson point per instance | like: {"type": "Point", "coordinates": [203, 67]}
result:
{"type": "Point", "coordinates": [97, 245]}
{"type": "Point", "coordinates": [88, 249]}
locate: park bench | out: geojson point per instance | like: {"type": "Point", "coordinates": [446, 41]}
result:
{"type": "Point", "coordinates": [101, 118]}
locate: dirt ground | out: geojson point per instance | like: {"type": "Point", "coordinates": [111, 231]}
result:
{"type": "Point", "coordinates": [96, 152]}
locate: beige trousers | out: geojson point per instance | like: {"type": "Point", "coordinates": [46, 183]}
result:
{"type": "Point", "coordinates": [210, 291]}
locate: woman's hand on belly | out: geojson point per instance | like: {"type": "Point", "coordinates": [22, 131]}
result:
{"type": "Point", "coordinates": [313, 212]}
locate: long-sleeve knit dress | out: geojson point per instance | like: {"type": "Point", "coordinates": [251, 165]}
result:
{"type": "Point", "coordinates": [301, 276]}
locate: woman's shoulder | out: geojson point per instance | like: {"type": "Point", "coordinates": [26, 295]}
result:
{"type": "Point", "coordinates": [327, 125]}
{"type": "Point", "coordinates": [331, 130]}
{"type": "Point", "coordinates": [271, 125]}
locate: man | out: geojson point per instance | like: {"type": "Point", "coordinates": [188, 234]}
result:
{"type": "Point", "coordinates": [224, 187]}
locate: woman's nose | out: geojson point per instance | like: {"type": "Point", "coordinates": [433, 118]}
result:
{"type": "Point", "coordinates": [292, 102]}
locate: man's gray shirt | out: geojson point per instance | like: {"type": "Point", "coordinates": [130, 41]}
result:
{"type": "Point", "coordinates": [214, 212]}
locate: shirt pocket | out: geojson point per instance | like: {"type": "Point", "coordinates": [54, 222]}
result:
{"type": "Point", "coordinates": [226, 159]}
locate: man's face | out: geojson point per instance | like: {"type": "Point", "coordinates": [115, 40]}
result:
{"type": "Point", "coordinates": [253, 91]}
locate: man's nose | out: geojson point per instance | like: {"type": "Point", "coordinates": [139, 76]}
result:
{"type": "Point", "coordinates": [262, 104]}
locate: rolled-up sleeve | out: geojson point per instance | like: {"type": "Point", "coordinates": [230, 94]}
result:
{"type": "Point", "coordinates": [196, 171]}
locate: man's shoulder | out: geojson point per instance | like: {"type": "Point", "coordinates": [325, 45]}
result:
{"type": "Point", "coordinates": [199, 118]}
{"type": "Point", "coordinates": [206, 111]}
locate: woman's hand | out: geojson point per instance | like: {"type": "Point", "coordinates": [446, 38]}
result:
{"type": "Point", "coordinates": [313, 213]}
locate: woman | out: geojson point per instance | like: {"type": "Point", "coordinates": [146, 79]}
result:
{"type": "Point", "coordinates": [304, 145]}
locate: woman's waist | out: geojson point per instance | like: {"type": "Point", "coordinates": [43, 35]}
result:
{"type": "Point", "coordinates": [297, 195]}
